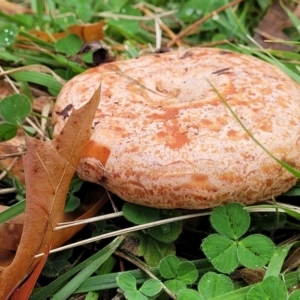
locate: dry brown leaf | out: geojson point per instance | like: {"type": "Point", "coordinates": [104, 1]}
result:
{"type": "Point", "coordinates": [87, 32]}
{"type": "Point", "coordinates": [24, 292]}
{"type": "Point", "coordinates": [11, 156]}
{"type": "Point", "coordinates": [10, 233]}
{"type": "Point", "coordinates": [292, 262]}
{"type": "Point", "coordinates": [251, 276]}
{"type": "Point", "coordinates": [49, 168]}
{"type": "Point", "coordinates": [10, 8]}
{"type": "Point", "coordinates": [271, 28]}
{"type": "Point", "coordinates": [5, 89]}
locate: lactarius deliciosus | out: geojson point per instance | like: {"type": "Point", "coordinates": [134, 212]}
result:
{"type": "Point", "coordinates": [163, 137]}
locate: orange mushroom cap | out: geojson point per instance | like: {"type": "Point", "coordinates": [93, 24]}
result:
{"type": "Point", "coordinates": [163, 137]}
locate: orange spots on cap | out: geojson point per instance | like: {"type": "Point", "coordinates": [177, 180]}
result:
{"type": "Point", "coordinates": [173, 138]}
{"type": "Point", "coordinates": [199, 180]}
{"type": "Point", "coordinates": [97, 151]}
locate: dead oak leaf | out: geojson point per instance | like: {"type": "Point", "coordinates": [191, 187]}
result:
{"type": "Point", "coordinates": [49, 168]}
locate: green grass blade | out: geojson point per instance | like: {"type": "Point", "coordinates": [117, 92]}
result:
{"type": "Point", "coordinates": [43, 79]}
{"type": "Point", "coordinates": [291, 16]}
{"type": "Point", "coordinates": [53, 287]}
{"type": "Point", "coordinates": [12, 211]}
{"type": "Point", "coordinates": [283, 164]}
{"type": "Point", "coordinates": [267, 56]}
{"type": "Point", "coordinates": [108, 281]}
{"type": "Point", "coordinates": [277, 260]}
{"type": "Point", "coordinates": [75, 282]}
{"type": "Point", "coordinates": [290, 280]}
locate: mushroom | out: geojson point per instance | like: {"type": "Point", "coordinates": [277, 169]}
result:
{"type": "Point", "coordinates": [164, 138]}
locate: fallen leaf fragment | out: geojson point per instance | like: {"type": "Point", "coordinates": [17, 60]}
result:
{"type": "Point", "coordinates": [49, 167]}
{"type": "Point", "coordinates": [87, 32]}
{"type": "Point", "coordinates": [10, 8]}
{"type": "Point", "coordinates": [26, 289]}
{"type": "Point", "coordinates": [271, 28]}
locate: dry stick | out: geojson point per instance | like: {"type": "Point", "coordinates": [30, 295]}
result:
{"type": "Point", "coordinates": [171, 34]}
{"type": "Point", "coordinates": [4, 172]}
{"type": "Point", "coordinates": [157, 10]}
{"type": "Point", "coordinates": [126, 230]}
{"type": "Point", "coordinates": [7, 191]}
{"type": "Point", "coordinates": [144, 268]}
{"type": "Point", "coordinates": [137, 18]}
{"type": "Point", "coordinates": [17, 154]}
{"type": "Point", "coordinates": [200, 21]}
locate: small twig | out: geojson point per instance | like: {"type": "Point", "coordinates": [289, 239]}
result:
{"type": "Point", "coordinates": [38, 130]}
{"type": "Point", "coordinates": [137, 262]}
{"type": "Point", "coordinates": [171, 34]}
{"type": "Point", "coordinates": [150, 6]}
{"type": "Point", "coordinates": [7, 191]}
{"type": "Point", "coordinates": [112, 202]}
{"type": "Point", "coordinates": [201, 21]}
{"type": "Point", "coordinates": [4, 173]}
{"type": "Point", "coordinates": [128, 17]}
{"type": "Point", "coordinates": [45, 113]}
{"type": "Point", "coordinates": [89, 220]}
{"type": "Point", "coordinates": [10, 82]}
{"type": "Point", "coordinates": [17, 154]}
{"type": "Point", "coordinates": [127, 230]}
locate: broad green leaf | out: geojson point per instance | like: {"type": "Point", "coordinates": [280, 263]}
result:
{"type": "Point", "coordinates": [168, 232]}
{"type": "Point", "coordinates": [272, 288]}
{"type": "Point", "coordinates": [151, 287]}
{"type": "Point", "coordinates": [294, 191]}
{"type": "Point", "coordinates": [153, 250]}
{"type": "Point", "coordinates": [295, 295]}
{"type": "Point", "coordinates": [134, 295]}
{"type": "Point", "coordinates": [175, 285]}
{"type": "Point", "coordinates": [15, 108]}
{"type": "Point", "coordinates": [72, 203]}
{"type": "Point", "coordinates": [139, 214]}
{"type": "Point", "coordinates": [273, 221]}
{"type": "Point", "coordinates": [187, 272]}
{"type": "Point", "coordinates": [8, 34]}
{"type": "Point", "coordinates": [113, 6]}
{"type": "Point", "coordinates": [84, 10]}
{"type": "Point", "coordinates": [255, 251]}
{"type": "Point", "coordinates": [168, 266]}
{"type": "Point", "coordinates": [126, 282]}
{"type": "Point", "coordinates": [230, 220]}
{"type": "Point", "coordinates": [221, 251]}
{"type": "Point", "coordinates": [189, 294]}
{"type": "Point", "coordinates": [69, 45]}
{"type": "Point", "coordinates": [7, 131]}
{"type": "Point", "coordinates": [212, 284]}
{"type": "Point", "coordinates": [29, 130]}
{"type": "Point", "coordinates": [57, 263]}
{"type": "Point", "coordinates": [7, 56]}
